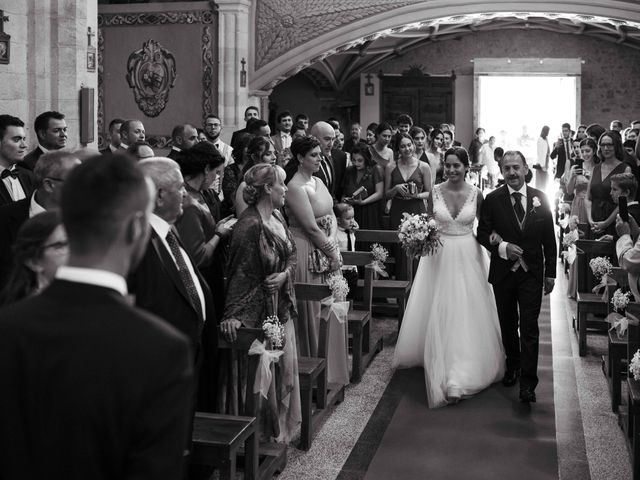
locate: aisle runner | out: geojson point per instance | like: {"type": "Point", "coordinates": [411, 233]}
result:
{"type": "Point", "coordinates": [491, 435]}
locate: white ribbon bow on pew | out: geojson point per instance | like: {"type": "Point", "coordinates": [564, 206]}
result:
{"type": "Point", "coordinates": [620, 322]}
{"type": "Point", "coordinates": [336, 313]}
{"type": "Point", "coordinates": [605, 282]}
{"type": "Point", "coordinates": [378, 268]}
{"type": "Point", "coordinates": [263, 374]}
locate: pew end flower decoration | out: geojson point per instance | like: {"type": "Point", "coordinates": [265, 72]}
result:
{"type": "Point", "coordinates": [339, 287]}
{"type": "Point", "coordinates": [419, 235]}
{"type": "Point", "coordinates": [619, 319]}
{"type": "Point", "coordinates": [634, 365]}
{"type": "Point", "coordinates": [380, 255]}
{"type": "Point", "coordinates": [274, 332]}
{"type": "Point", "coordinates": [601, 268]}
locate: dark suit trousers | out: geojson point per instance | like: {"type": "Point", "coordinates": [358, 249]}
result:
{"type": "Point", "coordinates": [518, 297]}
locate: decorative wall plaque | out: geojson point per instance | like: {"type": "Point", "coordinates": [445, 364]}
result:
{"type": "Point", "coordinates": [151, 73]}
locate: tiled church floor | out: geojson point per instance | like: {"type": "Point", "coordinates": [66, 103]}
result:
{"type": "Point", "coordinates": [584, 421]}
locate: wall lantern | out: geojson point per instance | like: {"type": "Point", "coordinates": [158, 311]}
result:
{"type": "Point", "coordinates": [243, 73]}
{"type": "Point", "coordinates": [5, 44]}
{"type": "Point", "coordinates": [369, 87]}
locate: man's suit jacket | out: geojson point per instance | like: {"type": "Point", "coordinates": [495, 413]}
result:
{"type": "Point", "coordinates": [237, 136]}
{"type": "Point", "coordinates": [320, 174]}
{"type": "Point", "coordinates": [536, 238]}
{"type": "Point", "coordinates": [339, 159]}
{"type": "Point", "coordinates": [93, 388]}
{"type": "Point", "coordinates": [277, 143]}
{"type": "Point", "coordinates": [26, 179]}
{"type": "Point", "coordinates": [560, 152]}
{"type": "Point", "coordinates": [12, 216]}
{"type": "Point", "coordinates": [32, 157]}
{"type": "Point", "coordinates": [158, 288]}
{"type": "Point", "coordinates": [173, 154]}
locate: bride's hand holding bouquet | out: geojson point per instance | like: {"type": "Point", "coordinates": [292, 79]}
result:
{"type": "Point", "coordinates": [419, 235]}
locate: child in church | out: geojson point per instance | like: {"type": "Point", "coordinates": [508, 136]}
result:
{"type": "Point", "coordinates": [346, 238]}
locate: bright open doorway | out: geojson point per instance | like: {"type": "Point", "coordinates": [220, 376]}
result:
{"type": "Point", "coordinates": [515, 108]}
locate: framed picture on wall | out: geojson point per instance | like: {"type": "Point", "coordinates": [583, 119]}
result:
{"type": "Point", "coordinates": [91, 61]}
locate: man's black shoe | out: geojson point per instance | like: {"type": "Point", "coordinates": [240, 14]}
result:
{"type": "Point", "coordinates": [527, 395]}
{"type": "Point", "coordinates": [510, 378]}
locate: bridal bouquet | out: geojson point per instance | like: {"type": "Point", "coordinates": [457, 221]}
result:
{"type": "Point", "coordinates": [419, 235]}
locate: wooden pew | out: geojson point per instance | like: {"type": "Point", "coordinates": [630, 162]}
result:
{"type": "Point", "coordinates": [212, 448]}
{"type": "Point", "coordinates": [312, 372]}
{"type": "Point", "coordinates": [587, 301]}
{"type": "Point", "coordinates": [360, 318]}
{"type": "Point", "coordinates": [617, 349]}
{"type": "Point", "coordinates": [398, 288]}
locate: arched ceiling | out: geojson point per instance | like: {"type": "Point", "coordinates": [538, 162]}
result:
{"type": "Point", "coordinates": [343, 54]}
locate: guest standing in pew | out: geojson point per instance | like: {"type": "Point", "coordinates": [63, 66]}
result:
{"type": "Point", "coordinates": [628, 251]}
{"type": "Point", "coordinates": [259, 150]}
{"type": "Point", "coordinates": [346, 238]}
{"type": "Point", "coordinates": [94, 388]}
{"type": "Point", "coordinates": [309, 207]}
{"type": "Point", "coordinates": [367, 179]}
{"type": "Point", "coordinates": [261, 273]}
{"type": "Point", "coordinates": [39, 249]}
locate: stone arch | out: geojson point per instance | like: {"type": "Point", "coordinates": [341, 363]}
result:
{"type": "Point", "coordinates": [290, 36]}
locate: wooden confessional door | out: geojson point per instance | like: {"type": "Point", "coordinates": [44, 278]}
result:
{"type": "Point", "coordinates": [428, 100]}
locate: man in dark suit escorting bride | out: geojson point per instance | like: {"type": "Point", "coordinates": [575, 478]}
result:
{"type": "Point", "coordinates": [516, 227]}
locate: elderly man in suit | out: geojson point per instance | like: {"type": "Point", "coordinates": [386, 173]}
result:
{"type": "Point", "coordinates": [50, 173]}
{"type": "Point", "coordinates": [94, 388]}
{"type": "Point", "coordinates": [51, 130]}
{"type": "Point", "coordinates": [167, 281]}
{"type": "Point", "coordinates": [16, 182]}
{"type": "Point", "coordinates": [334, 162]}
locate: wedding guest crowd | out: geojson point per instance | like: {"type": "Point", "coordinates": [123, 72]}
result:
{"type": "Point", "coordinates": [206, 241]}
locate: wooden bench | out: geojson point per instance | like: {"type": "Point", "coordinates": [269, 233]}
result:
{"type": "Point", "coordinates": [398, 288]}
{"type": "Point", "coordinates": [616, 349]}
{"type": "Point", "coordinates": [220, 451]}
{"type": "Point", "coordinates": [312, 372]}
{"type": "Point", "coordinates": [360, 318]}
{"type": "Point", "coordinates": [587, 301]}
{"type": "Point", "coordinates": [217, 440]}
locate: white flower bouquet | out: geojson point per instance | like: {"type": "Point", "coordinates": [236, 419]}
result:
{"type": "Point", "coordinates": [339, 287]}
{"type": "Point", "coordinates": [620, 300]}
{"type": "Point", "coordinates": [570, 238]}
{"type": "Point", "coordinates": [380, 255]}
{"type": "Point", "coordinates": [419, 235]}
{"type": "Point", "coordinates": [600, 266]}
{"type": "Point", "coordinates": [272, 327]}
{"type": "Point", "coordinates": [634, 365]}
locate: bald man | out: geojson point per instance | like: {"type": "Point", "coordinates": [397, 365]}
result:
{"type": "Point", "coordinates": [333, 163]}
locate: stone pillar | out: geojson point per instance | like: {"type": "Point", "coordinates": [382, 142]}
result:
{"type": "Point", "coordinates": [233, 39]}
{"type": "Point", "coordinates": [48, 64]}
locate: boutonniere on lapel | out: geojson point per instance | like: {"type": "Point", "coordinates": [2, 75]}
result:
{"type": "Point", "coordinates": [535, 203]}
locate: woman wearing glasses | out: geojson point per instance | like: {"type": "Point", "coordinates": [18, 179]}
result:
{"type": "Point", "coordinates": [39, 249]}
{"type": "Point", "coordinates": [601, 209]}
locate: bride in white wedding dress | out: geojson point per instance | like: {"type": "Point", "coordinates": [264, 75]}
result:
{"type": "Point", "coordinates": [450, 326]}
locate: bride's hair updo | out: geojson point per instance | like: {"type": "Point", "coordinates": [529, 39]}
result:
{"type": "Point", "coordinates": [459, 152]}
{"type": "Point", "coordinates": [303, 145]}
{"type": "Point", "coordinates": [256, 178]}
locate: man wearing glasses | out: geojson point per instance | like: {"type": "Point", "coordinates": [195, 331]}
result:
{"type": "Point", "coordinates": [212, 130]}
{"type": "Point", "coordinates": [50, 172]}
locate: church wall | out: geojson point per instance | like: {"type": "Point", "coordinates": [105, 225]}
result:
{"type": "Point", "coordinates": [48, 60]}
{"type": "Point", "coordinates": [610, 73]}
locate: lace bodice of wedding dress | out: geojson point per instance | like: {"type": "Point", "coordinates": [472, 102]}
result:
{"type": "Point", "coordinates": [462, 224]}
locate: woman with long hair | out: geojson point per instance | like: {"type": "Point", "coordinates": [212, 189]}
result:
{"type": "Point", "coordinates": [365, 176]}
{"type": "Point", "coordinates": [380, 151]}
{"type": "Point", "coordinates": [233, 175]}
{"type": "Point", "coordinates": [39, 249]}
{"type": "Point", "coordinates": [435, 153]}
{"type": "Point", "coordinates": [370, 135]}
{"type": "Point", "coordinates": [419, 136]}
{"type": "Point", "coordinates": [543, 149]}
{"type": "Point", "coordinates": [601, 209]}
